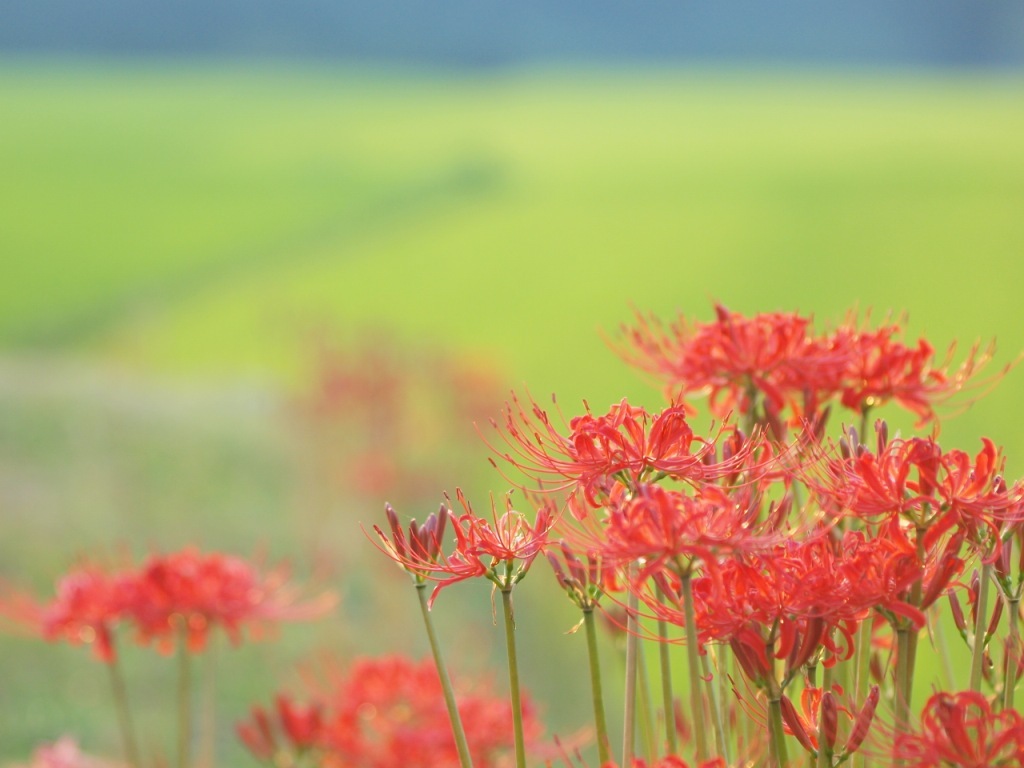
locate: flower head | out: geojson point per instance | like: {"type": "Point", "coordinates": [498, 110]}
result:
{"type": "Point", "coordinates": [387, 712]}
{"type": "Point", "coordinates": [961, 730]}
{"type": "Point", "coordinates": [501, 549]}
{"type": "Point", "coordinates": [627, 444]}
{"type": "Point", "coordinates": [191, 592]}
{"type": "Point", "coordinates": [734, 357]}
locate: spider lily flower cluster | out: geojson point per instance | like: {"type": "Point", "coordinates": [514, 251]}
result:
{"type": "Point", "coordinates": [385, 712]}
{"type": "Point", "coordinates": [170, 602]}
{"type": "Point", "coordinates": [796, 573]}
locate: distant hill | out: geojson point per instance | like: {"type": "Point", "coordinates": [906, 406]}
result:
{"type": "Point", "coordinates": [483, 33]}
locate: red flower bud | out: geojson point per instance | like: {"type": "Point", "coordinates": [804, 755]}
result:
{"type": "Point", "coordinates": [862, 724]}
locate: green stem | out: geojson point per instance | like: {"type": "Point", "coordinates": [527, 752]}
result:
{"type": "Point", "coordinates": [1012, 653]}
{"type": "Point", "coordinates": [693, 662]}
{"type": "Point", "coordinates": [513, 676]}
{"type": "Point", "coordinates": [629, 715]}
{"type": "Point", "coordinates": [777, 744]}
{"type": "Point", "coordinates": [208, 736]}
{"type": "Point", "coordinates": [600, 724]}
{"type": "Point", "coordinates": [906, 650]}
{"type": "Point", "coordinates": [863, 676]}
{"type": "Point", "coordinates": [465, 761]}
{"type": "Point", "coordinates": [124, 717]}
{"type": "Point", "coordinates": [666, 685]}
{"type": "Point", "coordinates": [646, 706]}
{"type": "Point", "coordinates": [717, 703]}
{"type": "Point", "coordinates": [184, 699]}
{"type": "Point", "coordinates": [824, 754]}
{"type": "Point", "coordinates": [980, 624]}
{"type": "Point", "coordinates": [902, 704]}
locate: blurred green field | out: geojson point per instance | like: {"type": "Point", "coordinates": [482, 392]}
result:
{"type": "Point", "coordinates": [171, 234]}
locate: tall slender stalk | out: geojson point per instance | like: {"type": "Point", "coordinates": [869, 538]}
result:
{"type": "Point", "coordinates": [184, 698]}
{"type": "Point", "coordinates": [465, 761]}
{"type": "Point", "coordinates": [629, 714]}
{"type": "Point", "coordinates": [902, 703]}
{"type": "Point", "coordinates": [718, 718]}
{"type": "Point", "coordinates": [1012, 653]}
{"type": "Point", "coordinates": [777, 737]}
{"type": "Point", "coordinates": [824, 755]}
{"type": "Point", "coordinates": [665, 661]}
{"type": "Point", "coordinates": [513, 676]}
{"type": "Point", "coordinates": [693, 662]}
{"type": "Point", "coordinates": [863, 676]}
{"type": "Point", "coordinates": [600, 724]}
{"type": "Point", "coordinates": [208, 734]}
{"type": "Point", "coordinates": [124, 716]}
{"type": "Point", "coordinates": [647, 721]}
{"type": "Point", "coordinates": [980, 625]}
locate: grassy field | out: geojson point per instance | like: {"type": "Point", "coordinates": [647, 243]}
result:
{"type": "Point", "coordinates": [173, 237]}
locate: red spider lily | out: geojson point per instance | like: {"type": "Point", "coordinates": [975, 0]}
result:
{"type": "Point", "coordinates": [734, 356]}
{"type": "Point", "coordinates": [583, 583]}
{"type": "Point", "coordinates": [815, 732]}
{"type": "Point", "coordinates": [501, 550]}
{"type": "Point", "coordinates": [665, 527]}
{"type": "Point", "coordinates": [90, 603]}
{"type": "Point", "coordinates": [389, 712]}
{"type": "Point", "coordinates": [418, 551]}
{"type": "Point", "coordinates": [916, 480]}
{"type": "Point", "coordinates": [185, 591]}
{"type": "Point", "coordinates": [885, 568]}
{"type": "Point", "coordinates": [289, 728]}
{"type": "Point", "coordinates": [627, 443]}
{"type": "Point", "coordinates": [961, 730]}
{"type": "Point", "coordinates": [880, 368]}
{"type": "Point", "coordinates": [899, 480]}
{"type": "Point", "coordinates": [801, 588]}
{"type": "Point", "coordinates": [64, 753]}
{"type": "Point", "coordinates": [191, 593]}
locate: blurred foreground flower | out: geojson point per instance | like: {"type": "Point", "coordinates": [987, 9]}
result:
{"type": "Point", "coordinates": [385, 712]}
{"type": "Point", "coordinates": [172, 601]}
{"type": "Point", "coordinates": [65, 753]}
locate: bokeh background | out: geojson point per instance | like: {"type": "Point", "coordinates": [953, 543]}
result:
{"type": "Point", "coordinates": [263, 265]}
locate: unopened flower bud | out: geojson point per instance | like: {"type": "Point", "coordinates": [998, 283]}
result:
{"type": "Point", "coordinates": [829, 720]}
{"type": "Point", "coordinates": [997, 613]}
{"type": "Point", "coordinates": [862, 724]}
{"type": "Point", "coordinates": [796, 726]}
{"type": "Point", "coordinates": [958, 613]}
{"type": "Point", "coordinates": [397, 537]}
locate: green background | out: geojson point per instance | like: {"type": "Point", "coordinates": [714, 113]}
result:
{"type": "Point", "coordinates": [171, 236]}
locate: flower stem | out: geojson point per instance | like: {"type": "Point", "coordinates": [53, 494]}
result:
{"type": "Point", "coordinates": [629, 713]}
{"type": "Point", "coordinates": [980, 623]}
{"type": "Point", "coordinates": [1012, 654]}
{"type": "Point", "coordinates": [666, 683]}
{"type": "Point", "coordinates": [902, 703]}
{"type": "Point", "coordinates": [600, 724]}
{"type": "Point", "coordinates": [513, 677]}
{"type": "Point", "coordinates": [184, 699]}
{"type": "Point", "coordinates": [863, 672]}
{"type": "Point", "coordinates": [208, 735]}
{"type": "Point", "coordinates": [124, 717]}
{"type": "Point", "coordinates": [777, 744]}
{"type": "Point", "coordinates": [824, 752]}
{"type": "Point", "coordinates": [446, 684]}
{"type": "Point", "coordinates": [693, 662]}
{"type": "Point", "coordinates": [718, 715]}
{"type": "Point", "coordinates": [647, 725]}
